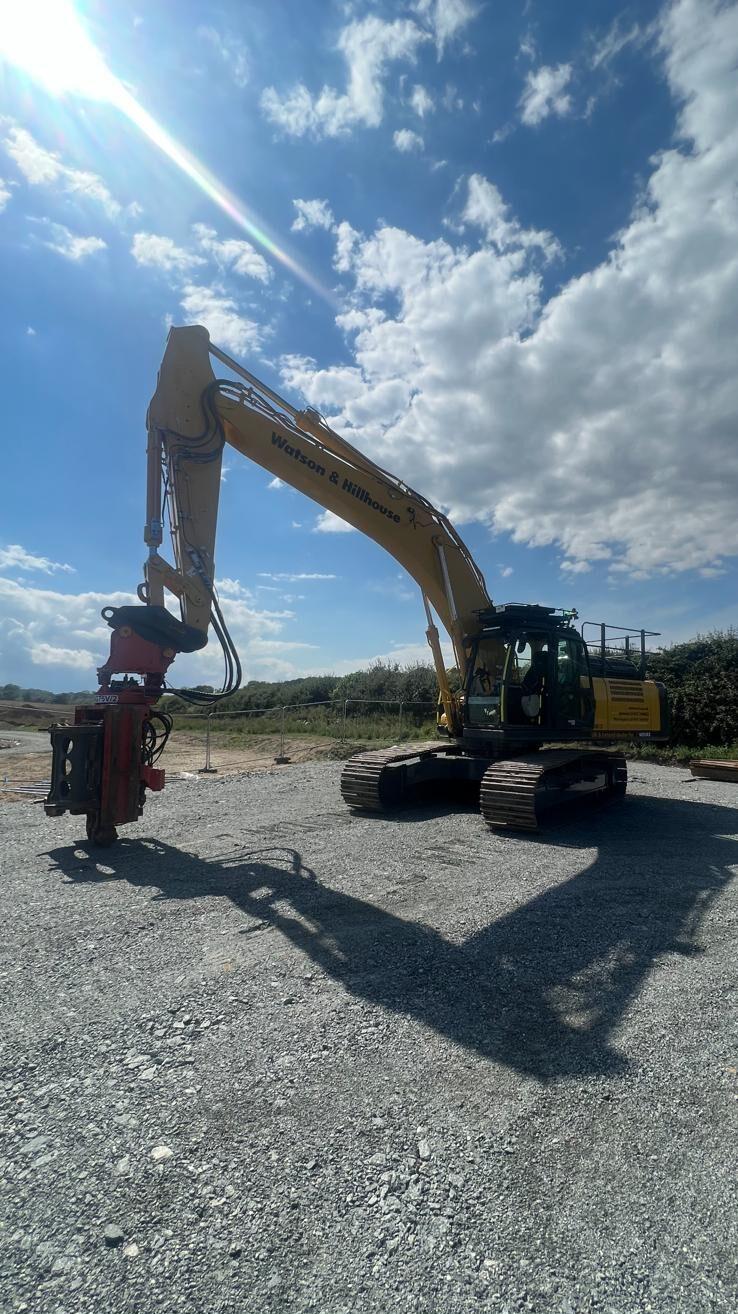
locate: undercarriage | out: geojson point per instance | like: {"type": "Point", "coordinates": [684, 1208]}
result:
{"type": "Point", "coordinates": [515, 793]}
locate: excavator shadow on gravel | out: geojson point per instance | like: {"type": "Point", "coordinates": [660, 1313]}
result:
{"type": "Point", "coordinates": [538, 706]}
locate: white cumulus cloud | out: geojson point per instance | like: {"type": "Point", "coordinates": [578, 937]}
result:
{"type": "Point", "coordinates": [37, 624]}
{"type": "Point", "coordinates": [47, 654]}
{"type": "Point", "coordinates": [446, 17]}
{"type": "Point", "coordinates": [233, 588]}
{"type": "Point", "coordinates": [233, 254]}
{"type": "Point", "coordinates": [598, 416]}
{"type": "Point", "coordinates": [71, 245]}
{"type": "Point", "coordinates": [16, 557]}
{"type": "Point", "coordinates": [312, 214]}
{"type": "Point", "coordinates": [368, 46]}
{"type": "Point", "coordinates": [486, 208]}
{"type": "Point", "coordinates": [64, 634]}
{"type": "Point", "coordinates": [421, 101]}
{"type": "Point", "coordinates": [329, 523]}
{"type": "Point", "coordinates": [222, 318]}
{"type": "Point", "coordinates": [158, 252]}
{"type": "Point", "coordinates": [545, 93]}
{"type": "Point", "coordinates": [406, 140]}
{"type": "Point", "coordinates": [41, 167]}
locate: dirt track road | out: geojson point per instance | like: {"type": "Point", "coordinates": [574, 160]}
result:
{"type": "Point", "coordinates": [269, 1057]}
{"type": "Point", "coordinates": [25, 756]}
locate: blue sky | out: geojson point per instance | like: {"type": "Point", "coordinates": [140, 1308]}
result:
{"type": "Point", "coordinates": [500, 257]}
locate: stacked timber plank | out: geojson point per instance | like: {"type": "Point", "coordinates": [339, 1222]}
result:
{"type": "Point", "coordinates": [714, 770]}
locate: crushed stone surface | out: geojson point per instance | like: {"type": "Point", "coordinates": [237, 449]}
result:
{"type": "Point", "coordinates": [266, 1055]}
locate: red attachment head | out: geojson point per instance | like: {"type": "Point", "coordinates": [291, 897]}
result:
{"type": "Point", "coordinates": [132, 655]}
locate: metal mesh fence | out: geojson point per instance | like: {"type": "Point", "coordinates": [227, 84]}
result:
{"type": "Point", "coordinates": [343, 718]}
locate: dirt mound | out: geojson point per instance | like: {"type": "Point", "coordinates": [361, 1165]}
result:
{"type": "Point", "coordinates": [31, 714]}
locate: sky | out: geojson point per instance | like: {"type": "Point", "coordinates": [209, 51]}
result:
{"type": "Point", "coordinates": [493, 242]}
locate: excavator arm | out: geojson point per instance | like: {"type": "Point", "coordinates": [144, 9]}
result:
{"type": "Point", "coordinates": [192, 416]}
{"type": "Point", "coordinates": [103, 764]}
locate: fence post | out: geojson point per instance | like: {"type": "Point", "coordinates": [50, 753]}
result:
{"type": "Point", "coordinates": [399, 720]}
{"type": "Point", "coordinates": [280, 758]}
{"type": "Point", "coordinates": [208, 769]}
{"type": "Point", "coordinates": [345, 705]}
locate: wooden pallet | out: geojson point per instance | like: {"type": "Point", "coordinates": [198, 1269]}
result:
{"type": "Point", "coordinates": [714, 770]}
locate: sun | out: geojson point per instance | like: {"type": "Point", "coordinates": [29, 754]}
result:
{"type": "Point", "coordinates": [46, 40]}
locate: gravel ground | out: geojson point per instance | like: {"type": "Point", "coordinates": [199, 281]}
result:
{"type": "Point", "coordinates": [23, 742]}
{"type": "Point", "coordinates": [265, 1055]}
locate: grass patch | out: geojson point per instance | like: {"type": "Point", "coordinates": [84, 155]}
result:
{"type": "Point", "coordinates": [678, 754]}
{"type": "Point", "coordinates": [233, 732]}
{"type": "Point", "coordinates": [321, 722]}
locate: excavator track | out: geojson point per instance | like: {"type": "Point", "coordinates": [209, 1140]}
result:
{"type": "Point", "coordinates": [507, 795]}
{"type": "Point", "coordinates": [515, 794]}
{"type": "Point", "coordinates": [368, 782]}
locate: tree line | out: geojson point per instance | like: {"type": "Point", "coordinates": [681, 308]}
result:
{"type": "Point", "coordinates": [701, 679]}
{"type": "Point", "coordinates": [381, 682]}
{"type": "Point", "coordinates": [15, 693]}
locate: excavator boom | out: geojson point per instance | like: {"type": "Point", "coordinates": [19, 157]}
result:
{"type": "Point", "coordinates": [103, 764]}
{"type": "Point", "coordinates": [192, 414]}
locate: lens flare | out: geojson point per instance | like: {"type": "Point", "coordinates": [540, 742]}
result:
{"type": "Point", "coordinates": [230, 204]}
{"type": "Point", "coordinates": [46, 40]}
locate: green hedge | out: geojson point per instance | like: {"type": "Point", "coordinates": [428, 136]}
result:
{"type": "Point", "coordinates": [416, 683]}
{"type": "Point", "coordinates": [15, 693]}
{"type": "Point", "coordinates": [701, 679]}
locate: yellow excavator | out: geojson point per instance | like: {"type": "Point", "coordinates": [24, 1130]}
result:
{"type": "Point", "coordinates": [532, 691]}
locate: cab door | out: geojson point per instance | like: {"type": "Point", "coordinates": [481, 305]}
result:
{"type": "Point", "coordinates": [526, 681]}
{"type": "Point", "coordinates": [573, 702]}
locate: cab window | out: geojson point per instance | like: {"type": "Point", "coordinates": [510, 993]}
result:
{"type": "Point", "coordinates": [526, 680]}
{"type": "Point", "coordinates": [573, 687]}
{"type": "Point", "coordinates": [519, 663]}
{"type": "Point", "coordinates": [484, 688]}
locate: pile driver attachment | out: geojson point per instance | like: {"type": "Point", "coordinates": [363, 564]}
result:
{"type": "Point", "coordinates": [104, 763]}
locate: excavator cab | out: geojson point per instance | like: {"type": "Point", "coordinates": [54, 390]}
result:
{"type": "Point", "coordinates": [529, 678]}
{"type": "Point", "coordinates": [547, 683]}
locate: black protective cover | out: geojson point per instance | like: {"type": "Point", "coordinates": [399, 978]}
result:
{"type": "Point", "coordinates": [158, 626]}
